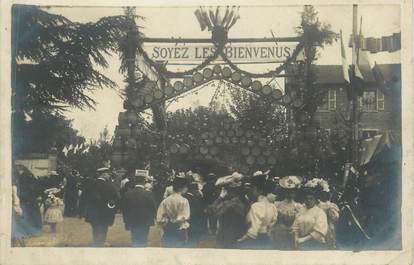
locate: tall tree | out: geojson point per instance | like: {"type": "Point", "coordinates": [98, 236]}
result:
{"type": "Point", "coordinates": [316, 35]}
{"type": "Point", "coordinates": [55, 64]}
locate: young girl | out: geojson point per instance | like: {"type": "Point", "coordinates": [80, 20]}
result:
{"type": "Point", "coordinates": [54, 211]}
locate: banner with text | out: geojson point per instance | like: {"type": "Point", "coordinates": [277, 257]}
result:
{"type": "Point", "coordinates": [237, 52]}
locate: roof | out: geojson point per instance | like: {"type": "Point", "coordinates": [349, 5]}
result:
{"type": "Point", "coordinates": [332, 74]}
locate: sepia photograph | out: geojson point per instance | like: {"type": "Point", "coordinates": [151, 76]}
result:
{"type": "Point", "coordinates": [217, 127]}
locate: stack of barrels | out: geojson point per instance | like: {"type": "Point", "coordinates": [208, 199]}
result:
{"type": "Point", "coordinates": [152, 93]}
{"type": "Point", "coordinates": [126, 139]}
{"type": "Point", "coordinates": [251, 148]}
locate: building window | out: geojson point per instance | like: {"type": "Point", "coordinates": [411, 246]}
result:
{"type": "Point", "coordinates": [328, 101]}
{"type": "Point", "coordinates": [380, 100]}
{"type": "Point", "coordinates": [369, 133]}
{"type": "Point", "coordinates": [373, 100]}
{"type": "Point", "coordinates": [368, 101]}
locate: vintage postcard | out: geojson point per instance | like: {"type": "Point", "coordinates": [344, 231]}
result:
{"type": "Point", "coordinates": [231, 132]}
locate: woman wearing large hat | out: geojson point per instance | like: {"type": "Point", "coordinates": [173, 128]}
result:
{"type": "Point", "coordinates": [332, 211]}
{"type": "Point", "coordinates": [230, 210]}
{"type": "Point", "coordinates": [287, 210]}
{"type": "Point", "coordinates": [310, 227]}
{"type": "Point", "coordinates": [261, 217]}
{"type": "Point", "coordinates": [173, 215]}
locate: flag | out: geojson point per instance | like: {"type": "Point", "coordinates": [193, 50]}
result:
{"type": "Point", "coordinates": [27, 117]}
{"type": "Point", "coordinates": [75, 149]}
{"type": "Point", "coordinates": [357, 80]}
{"type": "Point", "coordinates": [65, 151]}
{"type": "Point", "coordinates": [345, 65]}
{"type": "Point", "coordinates": [85, 150]}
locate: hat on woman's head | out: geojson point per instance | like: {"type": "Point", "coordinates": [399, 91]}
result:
{"type": "Point", "coordinates": [233, 180]}
{"type": "Point", "coordinates": [316, 186]}
{"type": "Point", "coordinates": [290, 182]}
{"type": "Point", "coordinates": [259, 179]}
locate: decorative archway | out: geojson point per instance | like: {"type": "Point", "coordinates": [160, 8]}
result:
{"type": "Point", "coordinates": [160, 84]}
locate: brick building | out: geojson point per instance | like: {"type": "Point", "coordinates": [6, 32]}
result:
{"type": "Point", "coordinates": [380, 105]}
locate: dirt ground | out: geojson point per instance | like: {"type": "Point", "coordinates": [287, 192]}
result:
{"type": "Point", "coordinates": [75, 232]}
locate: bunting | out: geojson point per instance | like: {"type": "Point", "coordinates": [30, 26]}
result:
{"type": "Point", "coordinates": [374, 45]}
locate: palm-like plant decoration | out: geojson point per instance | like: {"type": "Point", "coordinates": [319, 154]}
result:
{"type": "Point", "coordinates": [218, 21]}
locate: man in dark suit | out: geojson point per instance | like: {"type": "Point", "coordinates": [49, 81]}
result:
{"type": "Point", "coordinates": [198, 218]}
{"type": "Point", "coordinates": [210, 193]}
{"type": "Point", "coordinates": [101, 201]}
{"type": "Point", "coordinates": [138, 209]}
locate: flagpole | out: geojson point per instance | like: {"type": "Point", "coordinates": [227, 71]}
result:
{"type": "Point", "coordinates": [355, 111]}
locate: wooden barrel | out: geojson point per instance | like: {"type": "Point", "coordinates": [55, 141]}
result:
{"type": "Point", "coordinates": [188, 82]}
{"type": "Point", "coordinates": [246, 81]}
{"type": "Point", "coordinates": [178, 85]}
{"type": "Point", "coordinates": [138, 102]}
{"type": "Point", "coordinates": [132, 117]}
{"type": "Point", "coordinates": [169, 90]}
{"type": "Point", "coordinates": [256, 85]}
{"type": "Point", "coordinates": [286, 99]}
{"type": "Point", "coordinates": [118, 143]}
{"type": "Point", "coordinates": [124, 132]}
{"type": "Point", "coordinates": [249, 134]}
{"type": "Point", "coordinates": [250, 160]}
{"type": "Point", "coordinates": [204, 150]}
{"type": "Point", "coordinates": [149, 98]}
{"type": "Point", "coordinates": [207, 73]}
{"type": "Point", "coordinates": [198, 77]}
{"type": "Point", "coordinates": [226, 72]}
{"type": "Point", "coordinates": [131, 143]}
{"type": "Point", "coordinates": [204, 135]}
{"type": "Point", "coordinates": [149, 85]}
{"type": "Point", "coordinates": [183, 148]}
{"type": "Point", "coordinates": [122, 118]}
{"type": "Point", "coordinates": [245, 150]}
{"type": "Point", "coordinates": [267, 152]}
{"type": "Point", "coordinates": [116, 159]}
{"type": "Point", "coordinates": [261, 160]}
{"type": "Point", "coordinates": [239, 132]}
{"type": "Point", "coordinates": [277, 94]}
{"type": "Point", "coordinates": [158, 94]}
{"type": "Point", "coordinates": [236, 77]}
{"type": "Point", "coordinates": [271, 160]}
{"type": "Point", "coordinates": [217, 69]}
{"type": "Point", "coordinates": [212, 134]}
{"type": "Point", "coordinates": [256, 151]}
{"type": "Point", "coordinates": [266, 90]}
{"type": "Point", "coordinates": [174, 148]}
{"type": "Point", "coordinates": [135, 131]}
{"type": "Point", "coordinates": [213, 150]}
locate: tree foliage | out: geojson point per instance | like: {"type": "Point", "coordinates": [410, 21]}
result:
{"type": "Point", "coordinates": [56, 63]}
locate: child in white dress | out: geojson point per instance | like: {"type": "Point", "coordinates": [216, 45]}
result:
{"type": "Point", "coordinates": [54, 212]}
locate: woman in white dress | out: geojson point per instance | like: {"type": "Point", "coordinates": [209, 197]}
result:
{"type": "Point", "coordinates": [287, 210]}
{"type": "Point", "coordinates": [311, 223]}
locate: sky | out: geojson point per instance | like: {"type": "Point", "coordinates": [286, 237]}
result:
{"type": "Point", "coordinates": [254, 22]}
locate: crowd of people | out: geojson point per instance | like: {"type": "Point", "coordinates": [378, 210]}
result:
{"type": "Point", "coordinates": [252, 212]}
